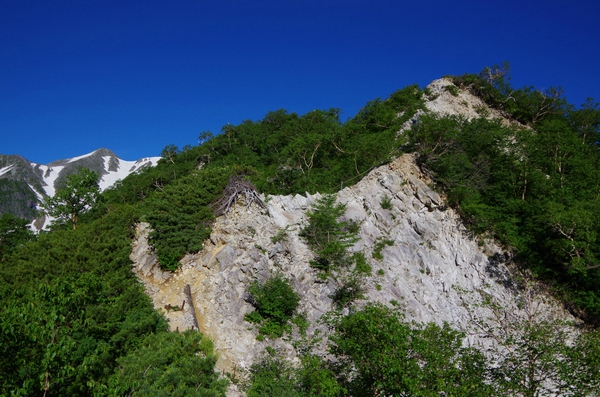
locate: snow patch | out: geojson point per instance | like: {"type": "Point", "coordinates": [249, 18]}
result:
{"type": "Point", "coordinates": [38, 194]}
{"type": "Point", "coordinates": [81, 157]}
{"type": "Point", "coordinates": [46, 219]}
{"type": "Point", "coordinates": [124, 168]}
{"type": "Point", "coordinates": [6, 169]}
{"type": "Point", "coordinates": [50, 174]}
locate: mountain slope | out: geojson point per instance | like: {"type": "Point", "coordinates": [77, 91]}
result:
{"type": "Point", "coordinates": [23, 184]}
{"type": "Point", "coordinates": [423, 258]}
{"type": "Point", "coordinates": [417, 256]}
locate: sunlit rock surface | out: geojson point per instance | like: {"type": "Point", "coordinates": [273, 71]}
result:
{"type": "Point", "coordinates": [434, 269]}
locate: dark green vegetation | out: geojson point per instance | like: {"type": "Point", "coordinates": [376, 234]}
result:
{"type": "Point", "coordinates": [315, 152]}
{"type": "Point", "coordinates": [328, 236]}
{"type": "Point", "coordinates": [384, 355]}
{"type": "Point", "coordinates": [75, 321]}
{"type": "Point", "coordinates": [273, 376]}
{"type": "Point", "coordinates": [169, 364]}
{"type": "Point", "coordinates": [181, 215]}
{"type": "Point", "coordinates": [275, 302]}
{"type": "Point", "coordinates": [13, 234]}
{"type": "Point", "coordinates": [72, 310]}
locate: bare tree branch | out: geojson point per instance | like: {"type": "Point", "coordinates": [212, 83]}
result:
{"type": "Point", "coordinates": [236, 186]}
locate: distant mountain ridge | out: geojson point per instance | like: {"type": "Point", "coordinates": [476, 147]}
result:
{"type": "Point", "coordinates": [23, 184]}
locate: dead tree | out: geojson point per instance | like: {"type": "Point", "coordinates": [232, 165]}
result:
{"type": "Point", "coordinates": [235, 187]}
{"type": "Point", "coordinates": [187, 290]}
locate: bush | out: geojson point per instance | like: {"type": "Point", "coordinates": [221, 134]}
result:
{"type": "Point", "coordinates": [275, 302]}
{"type": "Point", "coordinates": [169, 363]}
{"type": "Point", "coordinates": [350, 290]}
{"type": "Point", "coordinates": [452, 89]}
{"type": "Point", "coordinates": [273, 376]}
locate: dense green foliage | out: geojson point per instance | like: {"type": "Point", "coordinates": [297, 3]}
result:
{"type": "Point", "coordinates": [383, 355]}
{"type": "Point", "coordinates": [169, 364]}
{"type": "Point", "coordinates": [273, 376]}
{"type": "Point", "coordinates": [139, 186]}
{"type": "Point", "coordinates": [14, 232]}
{"type": "Point", "coordinates": [374, 351]}
{"type": "Point", "coordinates": [71, 308]}
{"type": "Point", "coordinates": [314, 152]}
{"type": "Point", "coordinates": [275, 302]}
{"type": "Point", "coordinates": [180, 214]}
{"type": "Point", "coordinates": [526, 105]}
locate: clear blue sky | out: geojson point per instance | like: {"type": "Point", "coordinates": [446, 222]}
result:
{"type": "Point", "coordinates": [134, 76]}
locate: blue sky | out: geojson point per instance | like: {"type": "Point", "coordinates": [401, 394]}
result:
{"type": "Point", "coordinates": [134, 76]}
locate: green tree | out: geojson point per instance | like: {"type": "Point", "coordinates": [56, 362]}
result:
{"type": "Point", "coordinates": [204, 137]}
{"type": "Point", "coordinates": [169, 153]}
{"type": "Point", "coordinates": [586, 120]}
{"type": "Point", "coordinates": [327, 235]}
{"type": "Point", "coordinates": [77, 196]}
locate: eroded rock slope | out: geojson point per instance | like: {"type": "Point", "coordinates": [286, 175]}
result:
{"type": "Point", "coordinates": [427, 269]}
{"type": "Point", "coordinates": [433, 269]}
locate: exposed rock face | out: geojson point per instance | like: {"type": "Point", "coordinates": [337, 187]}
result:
{"type": "Point", "coordinates": [434, 268]}
{"type": "Point", "coordinates": [427, 269]}
{"type": "Point", "coordinates": [443, 102]}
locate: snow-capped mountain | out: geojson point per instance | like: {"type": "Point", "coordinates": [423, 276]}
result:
{"type": "Point", "coordinates": [103, 161]}
{"type": "Point", "coordinates": [23, 183]}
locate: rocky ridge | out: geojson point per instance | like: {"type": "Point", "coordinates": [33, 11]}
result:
{"type": "Point", "coordinates": [434, 268]}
